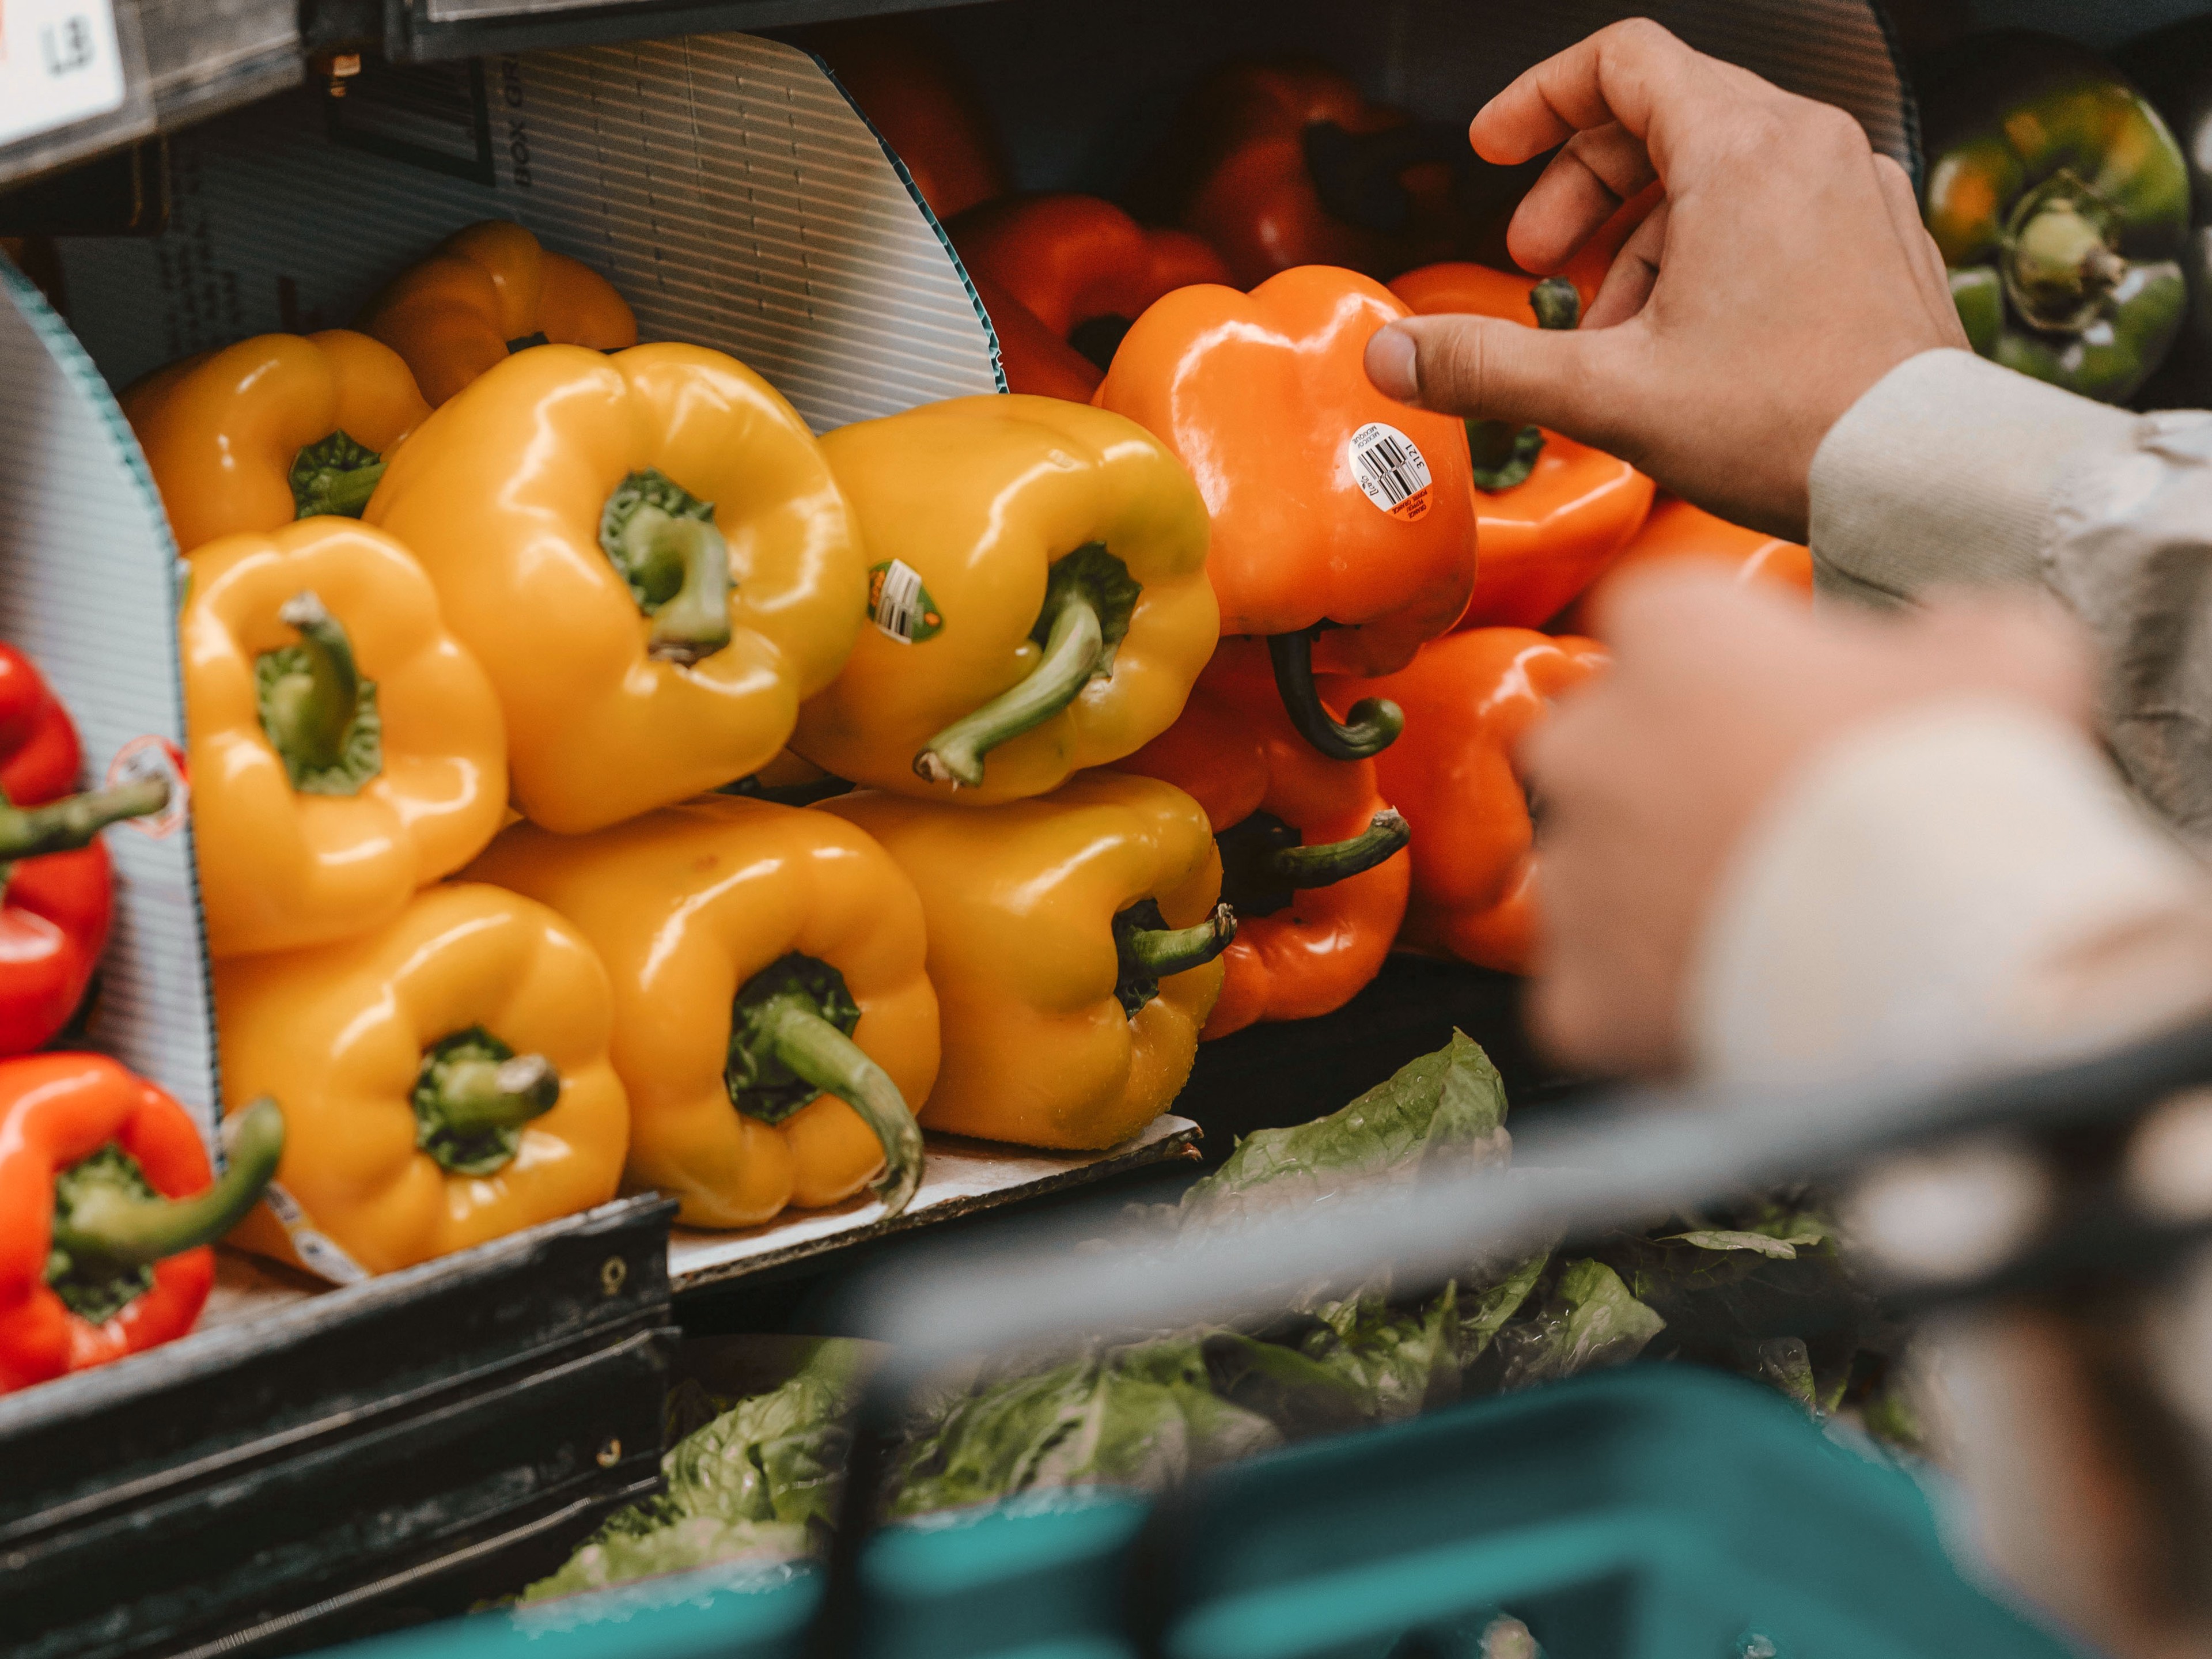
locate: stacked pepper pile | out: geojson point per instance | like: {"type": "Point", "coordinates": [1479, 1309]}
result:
{"type": "Point", "coordinates": [510, 644]}
{"type": "Point", "coordinates": [109, 1198]}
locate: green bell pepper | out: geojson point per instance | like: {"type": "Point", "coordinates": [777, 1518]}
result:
{"type": "Point", "coordinates": [2060, 201]}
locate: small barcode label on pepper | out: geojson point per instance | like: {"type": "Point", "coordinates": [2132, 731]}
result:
{"type": "Point", "coordinates": [1391, 469]}
{"type": "Point", "coordinates": [900, 606]}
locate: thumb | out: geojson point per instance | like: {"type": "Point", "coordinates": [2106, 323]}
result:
{"type": "Point", "coordinates": [1485, 368]}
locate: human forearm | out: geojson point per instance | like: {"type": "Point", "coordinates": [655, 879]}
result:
{"type": "Point", "coordinates": [1959, 886]}
{"type": "Point", "coordinates": [1953, 472]}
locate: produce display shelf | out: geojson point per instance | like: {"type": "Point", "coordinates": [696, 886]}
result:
{"type": "Point", "coordinates": [962, 1178]}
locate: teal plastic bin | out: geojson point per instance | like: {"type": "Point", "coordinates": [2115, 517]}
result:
{"type": "Point", "coordinates": [1660, 1512]}
{"type": "Point", "coordinates": [1652, 1513]}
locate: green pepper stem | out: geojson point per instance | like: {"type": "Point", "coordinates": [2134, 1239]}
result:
{"type": "Point", "coordinates": [695, 623]}
{"type": "Point", "coordinates": [308, 715]}
{"type": "Point", "coordinates": [342, 493]}
{"type": "Point", "coordinates": [1303, 868]}
{"type": "Point", "coordinates": [114, 1228]}
{"type": "Point", "coordinates": [1375, 722]}
{"type": "Point", "coordinates": [475, 1096]}
{"type": "Point", "coordinates": [815, 1050]}
{"type": "Point", "coordinates": [1160, 952]}
{"type": "Point", "coordinates": [1071, 658]}
{"type": "Point", "coordinates": [59, 826]}
{"type": "Point", "coordinates": [1505, 454]}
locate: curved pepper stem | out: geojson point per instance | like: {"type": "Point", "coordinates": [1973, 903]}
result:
{"type": "Point", "coordinates": [1303, 868]}
{"type": "Point", "coordinates": [788, 1029]}
{"type": "Point", "coordinates": [695, 623]}
{"type": "Point", "coordinates": [1161, 952]}
{"type": "Point", "coordinates": [107, 1226]}
{"type": "Point", "coordinates": [472, 1097]}
{"type": "Point", "coordinates": [1088, 600]}
{"type": "Point", "coordinates": [59, 826]}
{"type": "Point", "coordinates": [475, 1097]}
{"type": "Point", "coordinates": [1504, 454]}
{"type": "Point", "coordinates": [337, 476]}
{"type": "Point", "coordinates": [318, 712]}
{"type": "Point", "coordinates": [1375, 722]}
{"type": "Point", "coordinates": [663, 541]}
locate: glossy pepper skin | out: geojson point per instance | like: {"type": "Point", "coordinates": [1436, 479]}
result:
{"type": "Point", "coordinates": [445, 1081]}
{"type": "Point", "coordinates": [1677, 530]}
{"type": "Point", "coordinates": [1546, 533]}
{"type": "Point", "coordinates": [2060, 201]}
{"type": "Point", "coordinates": [704, 914]}
{"type": "Point", "coordinates": [57, 888]}
{"type": "Point", "coordinates": [919, 99]}
{"type": "Point", "coordinates": [1020, 516]}
{"type": "Point", "coordinates": [1469, 701]}
{"type": "Point", "coordinates": [1308, 938]}
{"type": "Point", "coordinates": [630, 685]}
{"type": "Point", "coordinates": [456, 314]}
{"type": "Point", "coordinates": [1285, 164]}
{"type": "Point", "coordinates": [109, 1203]}
{"type": "Point", "coordinates": [1266, 398]}
{"type": "Point", "coordinates": [1084, 269]}
{"type": "Point", "coordinates": [1057, 1034]}
{"type": "Point", "coordinates": [274, 429]}
{"type": "Point", "coordinates": [345, 749]}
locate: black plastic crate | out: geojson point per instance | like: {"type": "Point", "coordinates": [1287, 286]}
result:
{"type": "Point", "coordinates": [326, 1468]}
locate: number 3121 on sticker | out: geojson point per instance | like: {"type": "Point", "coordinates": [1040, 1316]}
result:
{"type": "Point", "coordinates": [59, 63]}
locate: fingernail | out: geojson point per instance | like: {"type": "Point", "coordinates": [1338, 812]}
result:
{"type": "Point", "coordinates": [1390, 357]}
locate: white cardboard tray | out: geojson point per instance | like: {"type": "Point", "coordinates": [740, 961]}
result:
{"type": "Point", "coordinates": [959, 1177]}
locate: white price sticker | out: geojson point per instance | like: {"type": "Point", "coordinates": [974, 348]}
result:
{"type": "Point", "coordinates": [59, 64]}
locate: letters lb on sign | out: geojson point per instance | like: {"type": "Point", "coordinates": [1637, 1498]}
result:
{"type": "Point", "coordinates": [59, 63]}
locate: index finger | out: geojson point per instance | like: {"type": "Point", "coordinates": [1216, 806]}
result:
{"type": "Point", "coordinates": [1634, 72]}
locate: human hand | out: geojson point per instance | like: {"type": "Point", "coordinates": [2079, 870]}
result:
{"type": "Point", "coordinates": [1784, 272]}
{"type": "Point", "coordinates": [1652, 775]}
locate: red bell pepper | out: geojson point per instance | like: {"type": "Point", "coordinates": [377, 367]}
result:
{"type": "Point", "coordinates": [1084, 269]}
{"type": "Point", "coordinates": [1343, 521]}
{"type": "Point", "coordinates": [1285, 164]}
{"type": "Point", "coordinates": [1470, 698]}
{"type": "Point", "coordinates": [1553, 514]}
{"type": "Point", "coordinates": [1310, 852]}
{"type": "Point", "coordinates": [917, 98]}
{"type": "Point", "coordinates": [58, 891]}
{"type": "Point", "coordinates": [107, 1207]}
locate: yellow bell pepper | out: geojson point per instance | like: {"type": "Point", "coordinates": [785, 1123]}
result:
{"type": "Point", "coordinates": [772, 1014]}
{"type": "Point", "coordinates": [274, 429]}
{"type": "Point", "coordinates": [649, 556]}
{"type": "Point", "coordinates": [445, 1081]}
{"type": "Point", "coordinates": [485, 291]}
{"type": "Point", "coordinates": [344, 750]}
{"type": "Point", "coordinates": [1072, 942]}
{"type": "Point", "coordinates": [1039, 595]}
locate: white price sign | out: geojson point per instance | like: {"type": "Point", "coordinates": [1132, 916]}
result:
{"type": "Point", "coordinates": [59, 64]}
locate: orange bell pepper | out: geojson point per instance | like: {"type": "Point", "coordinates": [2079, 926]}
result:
{"type": "Point", "coordinates": [1343, 521]}
{"type": "Point", "coordinates": [1311, 854]}
{"type": "Point", "coordinates": [1084, 269]}
{"type": "Point", "coordinates": [1469, 701]}
{"type": "Point", "coordinates": [920, 104]}
{"type": "Point", "coordinates": [1285, 164]}
{"type": "Point", "coordinates": [1677, 530]}
{"type": "Point", "coordinates": [488, 289]}
{"type": "Point", "coordinates": [1556, 513]}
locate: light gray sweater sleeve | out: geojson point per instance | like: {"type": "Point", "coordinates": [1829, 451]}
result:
{"type": "Point", "coordinates": [1952, 471]}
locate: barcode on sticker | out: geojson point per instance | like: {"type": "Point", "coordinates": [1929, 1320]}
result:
{"type": "Point", "coordinates": [1391, 469]}
{"type": "Point", "coordinates": [900, 606]}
